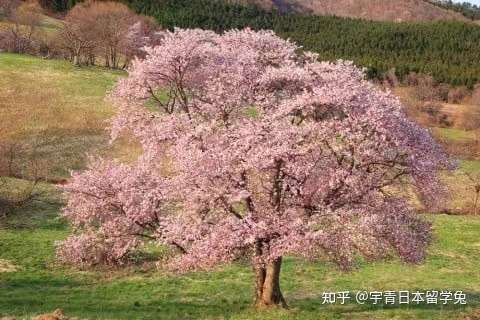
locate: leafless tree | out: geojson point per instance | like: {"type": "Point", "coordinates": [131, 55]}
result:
{"type": "Point", "coordinates": [25, 17]}
{"type": "Point", "coordinates": [13, 166]}
{"type": "Point", "coordinates": [456, 95]}
{"type": "Point", "coordinates": [7, 7]}
{"type": "Point", "coordinates": [113, 21]}
{"type": "Point", "coordinates": [77, 36]}
{"type": "Point", "coordinates": [476, 95]}
{"type": "Point", "coordinates": [475, 180]}
{"type": "Point", "coordinates": [105, 29]}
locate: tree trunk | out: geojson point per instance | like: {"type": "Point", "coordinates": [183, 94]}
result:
{"type": "Point", "coordinates": [267, 285]}
{"type": "Point", "coordinates": [107, 58]}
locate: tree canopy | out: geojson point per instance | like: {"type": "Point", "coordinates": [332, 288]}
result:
{"type": "Point", "coordinates": [256, 150]}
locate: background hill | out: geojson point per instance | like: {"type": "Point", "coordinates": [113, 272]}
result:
{"type": "Point", "coordinates": [446, 50]}
{"type": "Point", "coordinates": [384, 10]}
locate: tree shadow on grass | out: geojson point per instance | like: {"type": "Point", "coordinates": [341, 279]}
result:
{"type": "Point", "coordinates": [177, 298]}
{"type": "Point", "coordinates": [40, 214]}
{"type": "Point", "coordinates": [24, 296]}
{"type": "Point", "coordinates": [352, 308]}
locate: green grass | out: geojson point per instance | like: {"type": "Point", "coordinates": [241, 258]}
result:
{"type": "Point", "coordinates": [54, 109]}
{"type": "Point", "coordinates": [60, 109]}
{"type": "Point", "coordinates": [470, 166]}
{"type": "Point", "coordinates": [454, 134]}
{"type": "Point", "coordinates": [40, 285]}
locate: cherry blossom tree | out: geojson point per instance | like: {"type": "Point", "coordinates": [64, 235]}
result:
{"type": "Point", "coordinates": [143, 33]}
{"type": "Point", "coordinates": [253, 148]}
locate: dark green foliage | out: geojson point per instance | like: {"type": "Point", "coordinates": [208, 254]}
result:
{"type": "Point", "coordinates": [58, 5]}
{"type": "Point", "coordinates": [449, 51]}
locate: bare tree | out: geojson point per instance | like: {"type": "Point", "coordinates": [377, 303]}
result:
{"type": "Point", "coordinates": [25, 18]}
{"type": "Point", "coordinates": [475, 180]}
{"type": "Point", "coordinates": [77, 36]}
{"type": "Point", "coordinates": [14, 165]}
{"type": "Point", "coordinates": [456, 95]}
{"type": "Point", "coordinates": [427, 89]}
{"type": "Point", "coordinates": [95, 28]}
{"type": "Point", "coordinates": [7, 7]}
{"type": "Point", "coordinates": [476, 95]}
{"type": "Point", "coordinates": [113, 20]}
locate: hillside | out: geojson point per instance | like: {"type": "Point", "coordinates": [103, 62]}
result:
{"type": "Point", "coordinates": [53, 113]}
{"type": "Point", "coordinates": [382, 10]}
{"type": "Point", "coordinates": [446, 50]}
{"type": "Point", "coordinates": [52, 99]}
{"type": "Point", "coordinates": [468, 9]}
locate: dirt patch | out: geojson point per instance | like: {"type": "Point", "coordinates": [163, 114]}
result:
{"type": "Point", "coordinates": [7, 266]}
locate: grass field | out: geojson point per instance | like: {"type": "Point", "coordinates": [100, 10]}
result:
{"type": "Point", "coordinates": [142, 292]}
{"type": "Point", "coordinates": [454, 134]}
{"type": "Point", "coordinates": [471, 166]}
{"type": "Point", "coordinates": [56, 109]}
{"type": "Point", "coordinates": [61, 111]}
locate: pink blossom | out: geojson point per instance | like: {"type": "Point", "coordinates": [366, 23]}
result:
{"type": "Point", "coordinates": [268, 149]}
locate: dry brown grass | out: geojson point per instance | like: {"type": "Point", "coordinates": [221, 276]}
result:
{"type": "Point", "coordinates": [7, 266]}
{"type": "Point", "coordinates": [56, 111]}
{"type": "Point", "coordinates": [461, 193]}
{"type": "Point", "coordinates": [474, 314]}
{"type": "Point", "coordinates": [460, 138]}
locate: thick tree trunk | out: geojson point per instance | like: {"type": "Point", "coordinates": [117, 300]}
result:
{"type": "Point", "coordinates": [267, 285]}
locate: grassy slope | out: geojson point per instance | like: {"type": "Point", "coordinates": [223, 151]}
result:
{"type": "Point", "coordinates": [48, 26]}
{"type": "Point", "coordinates": [54, 108]}
{"type": "Point", "coordinates": [461, 188]}
{"type": "Point", "coordinates": [454, 134]}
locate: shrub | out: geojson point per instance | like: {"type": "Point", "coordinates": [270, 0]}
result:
{"type": "Point", "coordinates": [457, 95]}
{"type": "Point", "coordinates": [427, 89]}
{"type": "Point", "coordinates": [24, 20]}
{"type": "Point", "coordinates": [17, 43]}
{"type": "Point", "coordinates": [476, 95]}
{"type": "Point", "coordinates": [435, 117]}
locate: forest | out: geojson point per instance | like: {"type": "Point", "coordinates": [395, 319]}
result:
{"type": "Point", "coordinates": [449, 51]}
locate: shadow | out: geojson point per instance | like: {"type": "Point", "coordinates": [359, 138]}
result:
{"type": "Point", "coordinates": [199, 296]}
{"type": "Point", "coordinates": [351, 307]}
{"type": "Point", "coordinates": [288, 7]}
{"type": "Point", "coordinates": [23, 296]}
{"type": "Point", "coordinates": [40, 214]}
